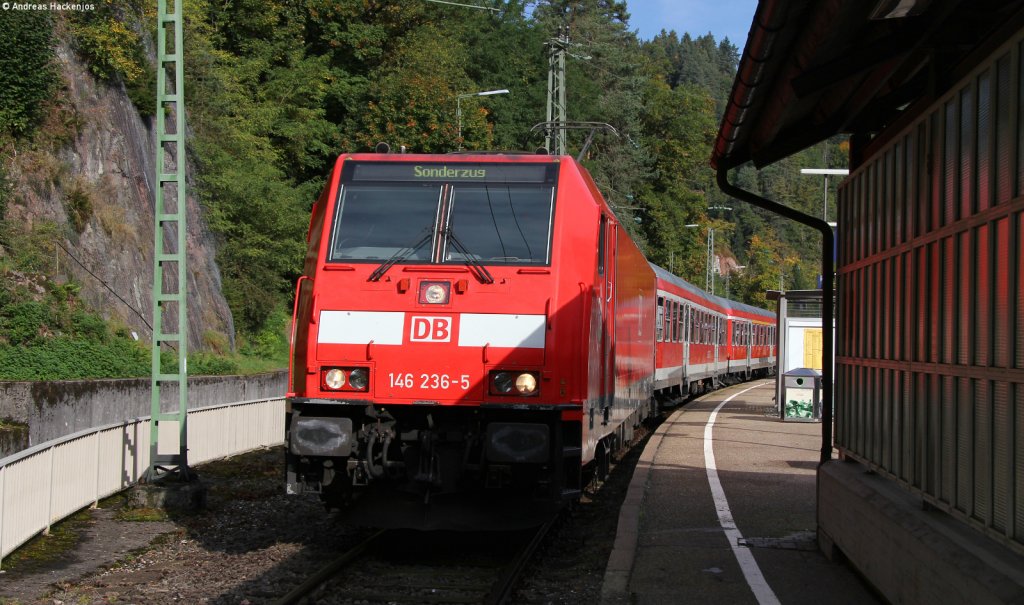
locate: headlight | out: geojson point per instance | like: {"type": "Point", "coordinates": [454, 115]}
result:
{"type": "Point", "coordinates": [345, 379]}
{"type": "Point", "coordinates": [526, 384]}
{"type": "Point", "coordinates": [502, 382]}
{"type": "Point", "coordinates": [514, 382]}
{"type": "Point", "coordinates": [334, 378]}
{"type": "Point", "coordinates": [434, 292]}
{"type": "Point", "coordinates": [359, 379]}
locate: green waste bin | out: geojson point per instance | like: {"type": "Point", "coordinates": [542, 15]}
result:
{"type": "Point", "coordinates": [801, 395]}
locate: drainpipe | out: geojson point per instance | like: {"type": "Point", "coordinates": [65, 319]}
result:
{"type": "Point", "coordinates": [827, 290]}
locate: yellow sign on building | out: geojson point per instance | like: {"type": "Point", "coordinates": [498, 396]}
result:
{"type": "Point", "coordinates": [813, 348]}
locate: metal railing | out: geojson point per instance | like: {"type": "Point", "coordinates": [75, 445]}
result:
{"type": "Point", "coordinates": [50, 481]}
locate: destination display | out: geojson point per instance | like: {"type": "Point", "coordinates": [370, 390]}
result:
{"type": "Point", "coordinates": [449, 172]}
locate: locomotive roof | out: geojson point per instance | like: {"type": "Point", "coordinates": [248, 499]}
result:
{"type": "Point", "coordinates": [726, 303]}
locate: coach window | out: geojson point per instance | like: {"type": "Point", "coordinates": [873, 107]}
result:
{"type": "Point", "coordinates": [667, 324]}
{"type": "Point", "coordinates": [687, 336]}
{"type": "Point", "coordinates": [672, 322]}
{"type": "Point", "coordinates": [668, 320]}
{"type": "Point", "coordinates": [659, 326]}
{"type": "Point", "coordinates": [677, 325]}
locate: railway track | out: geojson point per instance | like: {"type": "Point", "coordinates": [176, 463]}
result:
{"type": "Point", "coordinates": [401, 567]}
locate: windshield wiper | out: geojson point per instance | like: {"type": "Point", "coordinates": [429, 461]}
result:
{"type": "Point", "coordinates": [470, 259]}
{"type": "Point", "coordinates": [397, 257]}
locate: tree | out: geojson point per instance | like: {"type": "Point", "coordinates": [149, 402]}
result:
{"type": "Point", "coordinates": [27, 74]}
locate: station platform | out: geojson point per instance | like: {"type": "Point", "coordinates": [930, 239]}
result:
{"type": "Point", "coordinates": [722, 509]}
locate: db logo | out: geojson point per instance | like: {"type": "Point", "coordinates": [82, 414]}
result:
{"type": "Point", "coordinates": [431, 329]}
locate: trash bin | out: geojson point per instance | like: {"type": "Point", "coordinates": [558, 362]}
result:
{"type": "Point", "coordinates": [801, 395]}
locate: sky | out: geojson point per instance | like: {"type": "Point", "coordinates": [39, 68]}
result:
{"type": "Point", "coordinates": [723, 18]}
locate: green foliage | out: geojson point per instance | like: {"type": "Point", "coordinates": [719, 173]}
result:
{"type": "Point", "coordinates": [205, 364]}
{"type": "Point", "coordinates": [108, 38]}
{"type": "Point", "coordinates": [5, 193]}
{"type": "Point", "coordinates": [271, 342]}
{"type": "Point", "coordinates": [423, 69]}
{"type": "Point", "coordinates": [46, 334]}
{"type": "Point", "coordinates": [29, 250]}
{"type": "Point", "coordinates": [78, 204]}
{"type": "Point", "coordinates": [27, 74]}
{"type": "Point", "coordinates": [23, 322]}
{"type": "Point", "coordinates": [68, 358]}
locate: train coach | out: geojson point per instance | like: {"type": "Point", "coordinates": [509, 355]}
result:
{"type": "Point", "coordinates": [470, 328]}
{"type": "Point", "coordinates": [703, 340]}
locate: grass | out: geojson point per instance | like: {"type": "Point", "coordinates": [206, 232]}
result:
{"type": "Point", "coordinates": [7, 424]}
{"type": "Point", "coordinates": [141, 514]}
{"type": "Point", "coordinates": [44, 550]}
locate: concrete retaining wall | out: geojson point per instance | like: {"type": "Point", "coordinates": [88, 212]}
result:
{"type": "Point", "coordinates": [909, 553]}
{"type": "Point", "coordinates": [54, 409]}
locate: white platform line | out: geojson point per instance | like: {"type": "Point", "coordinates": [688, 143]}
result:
{"type": "Point", "coordinates": [752, 573]}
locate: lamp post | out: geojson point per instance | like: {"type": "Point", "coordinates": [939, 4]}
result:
{"type": "Point", "coordinates": [709, 274]}
{"type": "Point", "coordinates": [728, 275]}
{"type": "Point", "coordinates": [709, 269]}
{"type": "Point", "coordinates": [825, 172]}
{"type": "Point", "coordinates": [458, 105]}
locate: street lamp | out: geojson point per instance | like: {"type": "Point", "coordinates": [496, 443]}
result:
{"type": "Point", "coordinates": [709, 274]}
{"type": "Point", "coordinates": [728, 275]}
{"type": "Point", "coordinates": [458, 105]}
{"type": "Point", "coordinates": [709, 269]}
{"type": "Point", "coordinates": [826, 172]}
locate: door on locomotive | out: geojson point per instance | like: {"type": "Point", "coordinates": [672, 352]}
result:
{"type": "Point", "coordinates": [607, 302]}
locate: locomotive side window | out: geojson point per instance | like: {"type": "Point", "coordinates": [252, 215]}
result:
{"type": "Point", "coordinates": [502, 224]}
{"type": "Point", "coordinates": [373, 222]}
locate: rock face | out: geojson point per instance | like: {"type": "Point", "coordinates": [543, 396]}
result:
{"type": "Point", "coordinates": [97, 184]}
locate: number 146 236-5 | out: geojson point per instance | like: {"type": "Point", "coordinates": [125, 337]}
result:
{"type": "Point", "coordinates": [408, 380]}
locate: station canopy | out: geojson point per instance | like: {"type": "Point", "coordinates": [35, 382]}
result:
{"type": "Point", "coordinates": [815, 68]}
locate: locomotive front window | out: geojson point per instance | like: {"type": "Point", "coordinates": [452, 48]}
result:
{"type": "Point", "coordinates": [374, 222]}
{"type": "Point", "coordinates": [501, 224]}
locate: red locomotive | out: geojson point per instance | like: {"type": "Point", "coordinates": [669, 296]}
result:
{"type": "Point", "coordinates": [480, 325]}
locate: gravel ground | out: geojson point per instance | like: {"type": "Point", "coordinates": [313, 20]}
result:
{"type": "Point", "coordinates": [252, 544]}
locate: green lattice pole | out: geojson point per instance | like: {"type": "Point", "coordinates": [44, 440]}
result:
{"type": "Point", "coordinates": [169, 251]}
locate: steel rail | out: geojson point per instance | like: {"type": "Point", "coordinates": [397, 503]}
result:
{"type": "Point", "coordinates": [502, 590]}
{"type": "Point", "coordinates": [327, 572]}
